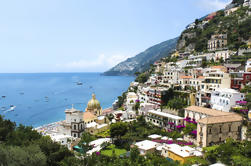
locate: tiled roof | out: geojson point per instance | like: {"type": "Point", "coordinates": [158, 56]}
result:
{"type": "Point", "coordinates": [207, 111]}
{"type": "Point", "coordinates": [88, 115]}
{"type": "Point", "coordinates": [183, 77]}
{"type": "Point", "coordinates": [107, 110]}
{"type": "Point", "coordinates": [231, 117]}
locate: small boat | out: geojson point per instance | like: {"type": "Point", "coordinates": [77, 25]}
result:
{"type": "Point", "coordinates": [79, 83]}
{"type": "Point", "coordinates": [3, 108]}
{"type": "Point", "coordinates": [21, 93]}
{"type": "Point", "coordinates": [3, 96]}
{"type": "Point", "coordinates": [12, 108]}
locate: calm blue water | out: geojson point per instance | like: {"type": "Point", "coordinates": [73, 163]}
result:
{"type": "Point", "coordinates": [42, 98]}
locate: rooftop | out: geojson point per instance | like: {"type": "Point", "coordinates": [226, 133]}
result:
{"type": "Point", "coordinates": [183, 151]}
{"type": "Point", "coordinates": [88, 115]}
{"type": "Point", "coordinates": [226, 90]}
{"type": "Point", "coordinates": [207, 111]}
{"type": "Point", "coordinates": [185, 77]}
{"type": "Point", "coordinates": [146, 145]}
{"type": "Point", "coordinates": [231, 117]}
{"type": "Point", "coordinates": [165, 114]}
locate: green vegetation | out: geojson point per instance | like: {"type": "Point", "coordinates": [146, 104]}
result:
{"type": "Point", "coordinates": [134, 159]}
{"type": "Point", "coordinates": [21, 145]}
{"type": "Point", "coordinates": [236, 26]}
{"type": "Point", "coordinates": [231, 153]}
{"type": "Point", "coordinates": [121, 99]}
{"type": "Point", "coordinates": [112, 150]}
{"type": "Point", "coordinates": [143, 77]}
{"type": "Point", "coordinates": [240, 59]}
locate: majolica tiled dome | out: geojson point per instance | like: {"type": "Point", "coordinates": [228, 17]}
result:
{"type": "Point", "coordinates": [93, 103]}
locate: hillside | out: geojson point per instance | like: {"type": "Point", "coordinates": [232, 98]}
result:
{"type": "Point", "coordinates": [142, 61]}
{"type": "Point", "coordinates": [236, 25]}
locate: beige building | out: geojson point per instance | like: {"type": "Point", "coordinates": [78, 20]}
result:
{"type": "Point", "coordinates": [217, 42]}
{"type": "Point", "coordinates": [216, 129]}
{"type": "Point", "coordinates": [214, 126]}
{"type": "Point", "coordinates": [230, 11]}
{"type": "Point", "coordinates": [215, 78]}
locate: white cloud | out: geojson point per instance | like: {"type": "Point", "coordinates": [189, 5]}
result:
{"type": "Point", "coordinates": [213, 5]}
{"type": "Point", "coordinates": [101, 63]}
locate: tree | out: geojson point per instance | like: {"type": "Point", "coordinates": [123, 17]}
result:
{"type": "Point", "coordinates": [143, 77]}
{"type": "Point", "coordinates": [6, 128]}
{"type": "Point", "coordinates": [22, 156]}
{"type": "Point", "coordinates": [86, 138]}
{"type": "Point", "coordinates": [204, 63]}
{"type": "Point", "coordinates": [118, 129]}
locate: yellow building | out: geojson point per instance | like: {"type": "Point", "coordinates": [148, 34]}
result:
{"type": "Point", "coordinates": [179, 153]}
{"type": "Point", "coordinates": [176, 54]}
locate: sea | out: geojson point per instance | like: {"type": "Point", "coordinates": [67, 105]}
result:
{"type": "Point", "coordinates": [41, 98]}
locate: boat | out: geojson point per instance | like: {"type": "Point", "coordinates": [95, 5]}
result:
{"type": "Point", "coordinates": [3, 108]}
{"type": "Point", "coordinates": [79, 83]}
{"type": "Point", "coordinates": [3, 96]}
{"type": "Point", "coordinates": [12, 108]}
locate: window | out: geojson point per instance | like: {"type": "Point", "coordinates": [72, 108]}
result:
{"type": "Point", "coordinates": [220, 130]}
{"type": "Point", "coordinates": [75, 127]}
{"type": "Point", "coordinates": [209, 131]}
{"type": "Point", "coordinates": [229, 128]}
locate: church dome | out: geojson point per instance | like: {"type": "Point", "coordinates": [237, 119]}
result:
{"type": "Point", "coordinates": [93, 103]}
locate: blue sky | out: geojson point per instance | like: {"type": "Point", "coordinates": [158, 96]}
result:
{"type": "Point", "coordinates": [88, 35]}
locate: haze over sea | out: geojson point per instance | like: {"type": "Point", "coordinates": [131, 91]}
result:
{"type": "Point", "coordinates": [42, 98]}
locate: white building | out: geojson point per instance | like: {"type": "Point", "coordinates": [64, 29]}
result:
{"type": "Point", "coordinates": [62, 139]}
{"type": "Point", "coordinates": [247, 3]}
{"type": "Point", "coordinates": [224, 99]}
{"type": "Point", "coordinates": [74, 123]}
{"type": "Point", "coordinates": [179, 153]}
{"type": "Point", "coordinates": [248, 66]}
{"type": "Point", "coordinates": [131, 100]}
{"type": "Point", "coordinates": [163, 119]}
{"type": "Point", "coordinates": [147, 146]}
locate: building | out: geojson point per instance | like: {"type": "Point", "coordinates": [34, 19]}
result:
{"type": "Point", "coordinates": [233, 67]}
{"type": "Point", "coordinates": [216, 129]}
{"type": "Point", "coordinates": [131, 100]}
{"type": "Point", "coordinates": [217, 42]}
{"type": "Point", "coordinates": [223, 54]}
{"type": "Point", "coordinates": [215, 78]}
{"type": "Point", "coordinates": [163, 119]}
{"type": "Point", "coordinates": [230, 11]}
{"type": "Point", "coordinates": [156, 95]}
{"type": "Point", "coordinates": [248, 66]}
{"type": "Point", "coordinates": [146, 146]}
{"type": "Point", "coordinates": [94, 107]}
{"type": "Point", "coordinates": [240, 79]}
{"type": "Point", "coordinates": [213, 126]}
{"type": "Point", "coordinates": [74, 123]}
{"type": "Point", "coordinates": [179, 153]}
{"type": "Point", "coordinates": [77, 121]}
{"type": "Point", "coordinates": [247, 3]}
{"type": "Point", "coordinates": [65, 140]}
{"type": "Point", "coordinates": [225, 99]}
